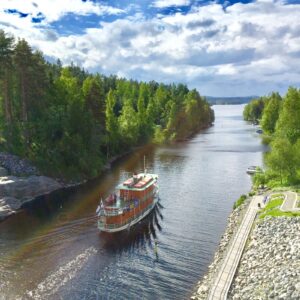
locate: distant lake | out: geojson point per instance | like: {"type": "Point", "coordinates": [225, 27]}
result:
{"type": "Point", "coordinates": [53, 250]}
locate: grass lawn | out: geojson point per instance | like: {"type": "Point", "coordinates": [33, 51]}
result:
{"type": "Point", "coordinates": [278, 195]}
{"type": "Point", "coordinates": [273, 208]}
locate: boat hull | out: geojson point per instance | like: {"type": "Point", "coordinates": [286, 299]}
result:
{"type": "Point", "coordinates": [133, 222]}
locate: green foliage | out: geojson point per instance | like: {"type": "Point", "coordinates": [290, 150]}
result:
{"type": "Point", "coordinates": [273, 209]}
{"type": "Point", "coordinates": [283, 159]}
{"type": "Point", "coordinates": [253, 110]}
{"type": "Point", "coordinates": [70, 123]}
{"type": "Point", "coordinates": [278, 195]}
{"type": "Point", "coordinates": [271, 113]}
{"type": "Point", "coordinates": [240, 201]}
{"type": "Point", "coordinates": [159, 136]}
{"type": "Point", "coordinates": [289, 120]}
{"type": "Point", "coordinates": [278, 213]}
{"type": "Point", "coordinates": [281, 122]}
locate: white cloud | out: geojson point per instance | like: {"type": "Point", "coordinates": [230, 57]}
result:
{"type": "Point", "coordinates": [53, 10]}
{"type": "Point", "coordinates": [170, 3]}
{"type": "Point", "coordinates": [247, 49]}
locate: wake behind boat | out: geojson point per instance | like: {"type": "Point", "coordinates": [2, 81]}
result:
{"type": "Point", "coordinates": [132, 201]}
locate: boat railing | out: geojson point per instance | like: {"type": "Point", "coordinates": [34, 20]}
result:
{"type": "Point", "coordinates": [120, 224]}
{"type": "Point", "coordinates": [110, 211]}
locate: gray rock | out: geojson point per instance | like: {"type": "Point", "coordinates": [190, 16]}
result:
{"type": "Point", "coordinates": [3, 172]}
{"type": "Point", "coordinates": [296, 295]}
{"type": "Point", "coordinates": [14, 191]}
{"type": "Point", "coordinates": [16, 165]}
{"type": "Point", "coordinates": [26, 188]}
{"type": "Point", "coordinates": [10, 202]}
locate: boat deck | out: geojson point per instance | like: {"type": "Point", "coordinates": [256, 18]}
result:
{"type": "Point", "coordinates": [138, 182]}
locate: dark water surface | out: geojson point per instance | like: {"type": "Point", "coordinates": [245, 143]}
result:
{"type": "Point", "coordinates": [53, 250]}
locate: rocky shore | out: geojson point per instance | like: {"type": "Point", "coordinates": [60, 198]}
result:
{"type": "Point", "coordinates": [234, 220]}
{"type": "Point", "coordinates": [17, 166]}
{"type": "Point", "coordinates": [270, 265]}
{"type": "Point", "coordinates": [21, 182]}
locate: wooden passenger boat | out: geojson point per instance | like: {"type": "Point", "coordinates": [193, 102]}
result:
{"type": "Point", "coordinates": [132, 201]}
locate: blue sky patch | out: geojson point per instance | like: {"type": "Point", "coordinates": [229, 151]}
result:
{"type": "Point", "coordinates": [39, 18]}
{"type": "Point", "coordinates": [16, 12]}
{"type": "Point", "coordinates": [220, 51]}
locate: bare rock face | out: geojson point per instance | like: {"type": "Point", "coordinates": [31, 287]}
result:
{"type": "Point", "coordinates": [27, 188]}
{"type": "Point", "coordinates": [14, 191]}
{"type": "Point", "coordinates": [3, 172]}
{"type": "Point", "coordinates": [8, 205]}
{"type": "Point", "coordinates": [24, 184]}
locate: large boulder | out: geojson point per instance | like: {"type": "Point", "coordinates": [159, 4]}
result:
{"type": "Point", "coordinates": [27, 188]}
{"type": "Point", "coordinates": [8, 206]}
{"type": "Point", "coordinates": [14, 191]}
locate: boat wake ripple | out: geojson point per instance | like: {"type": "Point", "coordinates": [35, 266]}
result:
{"type": "Point", "coordinates": [59, 278]}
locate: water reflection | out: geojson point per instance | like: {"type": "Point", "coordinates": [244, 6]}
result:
{"type": "Point", "coordinates": [55, 239]}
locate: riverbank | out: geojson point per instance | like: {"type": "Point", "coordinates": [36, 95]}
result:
{"type": "Point", "coordinates": [234, 220]}
{"type": "Point", "coordinates": [21, 182]}
{"type": "Point", "coordinates": [270, 264]}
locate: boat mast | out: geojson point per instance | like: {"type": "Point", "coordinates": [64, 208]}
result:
{"type": "Point", "coordinates": [145, 170]}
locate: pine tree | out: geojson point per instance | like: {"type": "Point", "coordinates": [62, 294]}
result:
{"type": "Point", "coordinates": [23, 61]}
{"type": "Point", "coordinates": [6, 52]}
{"type": "Point", "coordinates": [111, 125]}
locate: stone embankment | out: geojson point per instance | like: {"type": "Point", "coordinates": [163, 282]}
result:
{"type": "Point", "coordinates": [234, 220]}
{"type": "Point", "coordinates": [270, 265]}
{"type": "Point", "coordinates": [20, 182]}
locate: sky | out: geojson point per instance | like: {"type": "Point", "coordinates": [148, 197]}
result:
{"type": "Point", "coordinates": [222, 48]}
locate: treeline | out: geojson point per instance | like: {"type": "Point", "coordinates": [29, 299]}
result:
{"type": "Point", "coordinates": [229, 100]}
{"type": "Point", "coordinates": [280, 121]}
{"type": "Point", "coordinates": [69, 122]}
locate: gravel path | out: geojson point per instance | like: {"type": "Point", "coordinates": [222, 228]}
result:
{"type": "Point", "coordinates": [290, 201]}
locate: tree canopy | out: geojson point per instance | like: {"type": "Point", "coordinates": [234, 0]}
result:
{"type": "Point", "coordinates": [69, 122]}
{"type": "Point", "coordinates": [280, 120]}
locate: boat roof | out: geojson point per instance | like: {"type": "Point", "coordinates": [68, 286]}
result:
{"type": "Point", "coordinates": [145, 180]}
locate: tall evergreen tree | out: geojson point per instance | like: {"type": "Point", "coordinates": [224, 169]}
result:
{"type": "Point", "coordinates": [288, 124]}
{"type": "Point", "coordinates": [23, 61]}
{"type": "Point", "coordinates": [6, 52]}
{"type": "Point", "coordinates": [111, 124]}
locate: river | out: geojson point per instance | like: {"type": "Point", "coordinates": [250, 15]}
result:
{"type": "Point", "coordinates": [53, 250]}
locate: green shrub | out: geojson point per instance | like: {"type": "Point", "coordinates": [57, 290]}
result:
{"type": "Point", "coordinates": [240, 201]}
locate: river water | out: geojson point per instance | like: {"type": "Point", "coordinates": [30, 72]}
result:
{"type": "Point", "coordinates": [53, 250]}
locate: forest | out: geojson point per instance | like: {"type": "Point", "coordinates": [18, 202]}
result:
{"type": "Point", "coordinates": [69, 122]}
{"type": "Point", "coordinates": [279, 118]}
